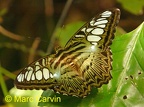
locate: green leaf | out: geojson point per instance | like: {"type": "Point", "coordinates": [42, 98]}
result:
{"type": "Point", "coordinates": [133, 6]}
{"type": "Point", "coordinates": [128, 69]}
{"type": "Point", "coordinates": [126, 88]}
{"type": "Point", "coordinates": [65, 33]}
{"type": "Point", "coordinates": [23, 98]}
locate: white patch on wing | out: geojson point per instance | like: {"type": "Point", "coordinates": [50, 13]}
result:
{"type": "Point", "coordinates": [89, 29]}
{"type": "Point", "coordinates": [22, 77]}
{"type": "Point", "coordinates": [29, 75]}
{"type": "Point", "coordinates": [33, 77]}
{"type": "Point", "coordinates": [92, 22]}
{"type": "Point", "coordinates": [107, 13]}
{"type": "Point", "coordinates": [37, 68]}
{"type": "Point", "coordinates": [101, 26]}
{"type": "Point", "coordinates": [37, 63]}
{"type": "Point", "coordinates": [26, 74]}
{"type": "Point", "coordinates": [94, 43]}
{"type": "Point", "coordinates": [39, 75]}
{"type": "Point", "coordinates": [83, 29]}
{"type": "Point", "coordinates": [93, 38]}
{"type": "Point", "coordinates": [101, 22]}
{"type": "Point", "coordinates": [101, 19]}
{"type": "Point", "coordinates": [46, 73]}
{"type": "Point", "coordinates": [51, 75]}
{"type": "Point", "coordinates": [29, 68]}
{"type": "Point", "coordinates": [19, 77]}
{"type": "Point", "coordinates": [43, 62]}
{"type": "Point", "coordinates": [97, 31]}
{"type": "Point", "coordinates": [79, 36]}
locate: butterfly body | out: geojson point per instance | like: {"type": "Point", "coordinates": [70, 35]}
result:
{"type": "Point", "coordinates": [83, 63]}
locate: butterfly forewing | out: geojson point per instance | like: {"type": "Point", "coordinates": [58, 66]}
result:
{"type": "Point", "coordinates": [99, 30]}
{"type": "Point", "coordinates": [84, 62]}
{"type": "Point", "coordinates": [35, 76]}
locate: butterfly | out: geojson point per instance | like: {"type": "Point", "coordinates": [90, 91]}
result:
{"type": "Point", "coordinates": [84, 62]}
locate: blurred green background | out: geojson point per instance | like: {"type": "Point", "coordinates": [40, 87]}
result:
{"type": "Point", "coordinates": [28, 28]}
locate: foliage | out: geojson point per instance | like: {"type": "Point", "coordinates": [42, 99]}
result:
{"type": "Point", "coordinates": [133, 6]}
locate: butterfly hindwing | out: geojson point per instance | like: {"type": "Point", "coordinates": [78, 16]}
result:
{"type": "Point", "coordinates": [38, 75]}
